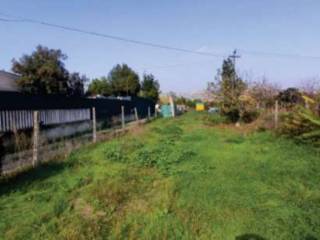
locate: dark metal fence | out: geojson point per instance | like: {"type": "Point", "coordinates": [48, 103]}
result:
{"type": "Point", "coordinates": [16, 109]}
{"type": "Point", "coordinates": [31, 127]}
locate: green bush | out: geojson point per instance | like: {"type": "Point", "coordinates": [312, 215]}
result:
{"type": "Point", "coordinates": [249, 116]}
{"type": "Point", "coordinates": [232, 114]}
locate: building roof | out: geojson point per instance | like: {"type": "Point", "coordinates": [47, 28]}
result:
{"type": "Point", "coordinates": [8, 82]}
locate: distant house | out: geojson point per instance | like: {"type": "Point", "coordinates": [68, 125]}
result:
{"type": "Point", "coordinates": [8, 82]}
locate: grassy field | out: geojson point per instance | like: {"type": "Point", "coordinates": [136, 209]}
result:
{"type": "Point", "coordinates": [171, 179]}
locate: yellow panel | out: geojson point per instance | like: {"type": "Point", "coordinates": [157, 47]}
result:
{"type": "Point", "coordinates": [199, 107]}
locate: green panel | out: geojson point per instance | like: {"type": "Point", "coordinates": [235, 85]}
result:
{"type": "Point", "coordinates": [166, 111]}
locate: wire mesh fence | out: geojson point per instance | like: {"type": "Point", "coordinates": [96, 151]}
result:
{"type": "Point", "coordinates": [29, 138]}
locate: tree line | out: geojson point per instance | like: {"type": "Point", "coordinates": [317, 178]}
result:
{"type": "Point", "coordinates": [43, 72]}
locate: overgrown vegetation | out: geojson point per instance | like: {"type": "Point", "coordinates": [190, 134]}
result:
{"type": "Point", "coordinates": [232, 95]}
{"type": "Point", "coordinates": [302, 124]}
{"type": "Point", "coordinates": [173, 179]}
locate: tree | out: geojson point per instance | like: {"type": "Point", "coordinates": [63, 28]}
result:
{"type": "Point", "coordinates": [264, 92]}
{"type": "Point", "coordinates": [181, 100]}
{"type": "Point", "coordinates": [42, 72]}
{"type": "Point", "coordinates": [76, 84]}
{"type": "Point", "coordinates": [229, 86]}
{"type": "Point", "coordinates": [100, 87]}
{"type": "Point", "coordinates": [124, 81]}
{"type": "Point", "coordinates": [150, 87]}
{"type": "Point", "coordinates": [311, 86]}
{"type": "Point", "coordinates": [290, 97]}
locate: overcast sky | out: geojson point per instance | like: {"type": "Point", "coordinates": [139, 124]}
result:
{"type": "Point", "coordinates": [273, 26]}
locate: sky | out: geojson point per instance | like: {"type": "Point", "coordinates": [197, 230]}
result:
{"type": "Point", "coordinates": [215, 26]}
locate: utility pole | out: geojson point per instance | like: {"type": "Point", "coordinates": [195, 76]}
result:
{"type": "Point", "coordinates": [234, 57]}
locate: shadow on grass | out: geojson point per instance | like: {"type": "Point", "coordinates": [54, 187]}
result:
{"type": "Point", "coordinates": [311, 238]}
{"type": "Point", "coordinates": [22, 180]}
{"type": "Point", "coordinates": [250, 236]}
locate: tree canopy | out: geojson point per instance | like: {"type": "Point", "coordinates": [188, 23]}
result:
{"type": "Point", "coordinates": [124, 81]}
{"type": "Point", "coordinates": [230, 87]}
{"type": "Point", "coordinates": [150, 87]}
{"type": "Point", "coordinates": [44, 72]}
{"type": "Point", "coordinates": [76, 84]}
{"type": "Point", "coordinates": [100, 86]}
{"type": "Point", "coordinates": [290, 97]}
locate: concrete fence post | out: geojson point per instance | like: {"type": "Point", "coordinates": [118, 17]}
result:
{"type": "Point", "coordinates": [172, 106]}
{"type": "Point", "coordinates": [149, 113]}
{"type": "Point", "coordinates": [155, 111]}
{"type": "Point", "coordinates": [2, 153]}
{"type": "Point", "coordinates": [36, 131]}
{"type": "Point", "coordinates": [276, 114]}
{"type": "Point", "coordinates": [122, 117]}
{"type": "Point", "coordinates": [94, 125]}
{"type": "Point", "coordinates": [136, 114]}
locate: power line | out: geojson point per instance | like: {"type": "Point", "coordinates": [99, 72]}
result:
{"type": "Point", "coordinates": [276, 54]}
{"type": "Point", "coordinates": [16, 19]}
{"type": "Point", "coordinates": [234, 57]}
{"type": "Point", "coordinates": [9, 20]}
{"type": "Point", "coordinates": [97, 34]}
{"type": "Point", "coordinates": [176, 65]}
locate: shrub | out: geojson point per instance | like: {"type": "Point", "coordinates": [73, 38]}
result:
{"type": "Point", "coordinates": [248, 108]}
{"type": "Point", "coordinates": [232, 113]}
{"type": "Point", "coordinates": [265, 121]}
{"type": "Point", "coordinates": [302, 124]}
{"type": "Point", "coordinates": [249, 116]}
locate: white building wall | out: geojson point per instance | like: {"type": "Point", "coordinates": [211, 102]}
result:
{"type": "Point", "coordinates": [8, 82]}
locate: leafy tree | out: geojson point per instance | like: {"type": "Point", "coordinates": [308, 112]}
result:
{"type": "Point", "coordinates": [290, 97]}
{"type": "Point", "coordinates": [229, 86]}
{"type": "Point", "coordinates": [124, 81]}
{"type": "Point", "coordinates": [181, 100]}
{"type": "Point", "coordinates": [42, 72]}
{"type": "Point", "coordinates": [150, 87]}
{"type": "Point", "coordinates": [76, 84]}
{"type": "Point", "coordinates": [100, 87]}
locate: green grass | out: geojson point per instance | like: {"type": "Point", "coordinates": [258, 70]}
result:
{"type": "Point", "coordinates": [172, 179]}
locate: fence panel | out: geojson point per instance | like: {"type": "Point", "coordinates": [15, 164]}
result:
{"type": "Point", "coordinates": [13, 120]}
